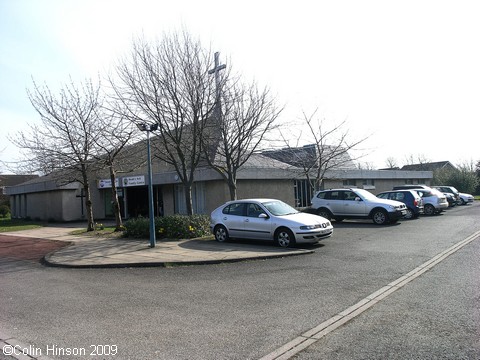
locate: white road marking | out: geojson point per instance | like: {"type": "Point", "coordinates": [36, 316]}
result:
{"type": "Point", "coordinates": [313, 335]}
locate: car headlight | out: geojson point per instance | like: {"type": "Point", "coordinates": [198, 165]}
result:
{"type": "Point", "coordinates": [313, 227]}
{"type": "Point", "coordinates": [308, 227]}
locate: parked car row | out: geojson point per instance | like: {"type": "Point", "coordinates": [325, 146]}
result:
{"type": "Point", "coordinates": [434, 202]}
{"type": "Point", "coordinates": [417, 199]}
{"type": "Point", "coordinates": [271, 219]}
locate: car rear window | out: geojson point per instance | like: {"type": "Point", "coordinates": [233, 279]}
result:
{"type": "Point", "coordinates": [321, 195]}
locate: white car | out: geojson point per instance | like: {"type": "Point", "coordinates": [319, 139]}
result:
{"type": "Point", "coordinates": [465, 198]}
{"type": "Point", "coordinates": [267, 219]}
{"type": "Point", "coordinates": [342, 204]}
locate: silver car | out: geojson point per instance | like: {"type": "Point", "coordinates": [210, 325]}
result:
{"type": "Point", "coordinates": [355, 203]}
{"type": "Point", "coordinates": [267, 219]}
{"type": "Point", "coordinates": [434, 202]}
{"type": "Point", "coordinates": [465, 199]}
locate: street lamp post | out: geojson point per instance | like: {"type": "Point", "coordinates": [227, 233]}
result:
{"type": "Point", "coordinates": [149, 128]}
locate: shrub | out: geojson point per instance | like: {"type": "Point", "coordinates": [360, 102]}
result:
{"type": "Point", "coordinates": [170, 227]}
{"type": "Point", "coordinates": [464, 178]}
{"type": "Point", "coordinates": [4, 211]}
{"type": "Point", "coordinates": [137, 227]}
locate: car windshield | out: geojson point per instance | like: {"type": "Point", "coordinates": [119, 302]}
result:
{"type": "Point", "coordinates": [367, 195]}
{"type": "Point", "coordinates": [279, 208]}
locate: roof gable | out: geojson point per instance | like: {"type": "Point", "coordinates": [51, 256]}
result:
{"type": "Point", "coordinates": [430, 166]}
{"type": "Point", "coordinates": [307, 157]}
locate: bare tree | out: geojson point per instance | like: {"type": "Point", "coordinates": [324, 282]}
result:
{"type": "Point", "coordinates": [365, 166]}
{"type": "Point", "coordinates": [167, 83]}
{"type": "Point", "coordinates": [419, 159]}
{"type": "Point", "coordinates": [329, 150]}
{"type": "Point", "coordinates": [64, 142]}
{"type": "Point", "coordinates": [391, 163]}
{"type": "Point", "coordinates": [247, 114]}
{"type": "Point", "coordinates": [112, 151]}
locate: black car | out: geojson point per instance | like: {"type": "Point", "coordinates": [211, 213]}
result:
{"type": "Point", "coordinates": [453, 198]}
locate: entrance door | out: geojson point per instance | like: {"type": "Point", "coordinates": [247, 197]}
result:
{"type": "Point", "coordinates": [109, 203]}
{"type": "Point", "coordinates": [137, 201]}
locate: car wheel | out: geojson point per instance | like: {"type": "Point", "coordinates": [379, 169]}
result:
{"type": "Point", "coordinates": [409, 215]}
{"type": "Point", "coordinates": [221, 233]}
{"type": "Point", "coordinates": [284, 237]}
{"type": "Point", "coordinates": [429, 209]}
{"type": "Point", "coordinates": [462, 202]}
{"type": "Point", "coordinates": [380, 217]}
{"type": "Point", "coordinates": [325, 213]}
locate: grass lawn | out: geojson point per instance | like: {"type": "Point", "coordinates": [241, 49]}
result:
{"type": "Point", "coordinates": [7, 224]}
{"type": "Point", "coordinates": [107, 231]}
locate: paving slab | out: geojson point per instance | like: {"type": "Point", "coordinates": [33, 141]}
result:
{"type": "Point", "coordinates": [77, 251]}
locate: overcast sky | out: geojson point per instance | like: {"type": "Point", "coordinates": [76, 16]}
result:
{"type": "Point", "coordinates": [405, 72]}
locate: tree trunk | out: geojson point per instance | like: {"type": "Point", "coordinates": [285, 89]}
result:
{"type": "Point", "coordinates": [318, 184]}
{"type": "Point", "coordinates": [232, 186]}
{"type": "Point", "coordinates": [188, 199]}
{"type": "Point", "coordinates": [89, 207]}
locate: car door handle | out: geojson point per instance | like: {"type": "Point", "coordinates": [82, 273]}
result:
{"type": "Point", "coordinates": [246, 220]}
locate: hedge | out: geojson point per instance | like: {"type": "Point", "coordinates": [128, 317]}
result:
{"type": "Point", "coordinates": [4, 211]}
{"type": "Point", "coordinates": [169, 227]}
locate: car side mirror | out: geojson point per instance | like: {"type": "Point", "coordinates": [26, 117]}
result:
{"type": "Point", "coordinates": [263, 216]}
{"type": "Point", "coordinates": [358, 199]}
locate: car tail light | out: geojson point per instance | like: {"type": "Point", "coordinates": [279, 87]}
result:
{"type": "Point", "coordinates": [415, 202]}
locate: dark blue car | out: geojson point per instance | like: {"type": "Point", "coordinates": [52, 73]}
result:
{"type": "Point", "coordinates": [410, 198]}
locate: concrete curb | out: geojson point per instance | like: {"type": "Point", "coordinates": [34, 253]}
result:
{"type": "Point", "coordinates": [47, 262]}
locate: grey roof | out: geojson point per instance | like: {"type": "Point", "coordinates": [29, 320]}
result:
{"type": "Point", "coordinates": [11, 180]}
{"type": "Point", "coordinates": [307, 157]}
{"type": "Point", "coordinates": [430, 166]}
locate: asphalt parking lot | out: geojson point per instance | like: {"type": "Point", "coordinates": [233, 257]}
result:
{"type": "Point", "coordinates": [251, 309]}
